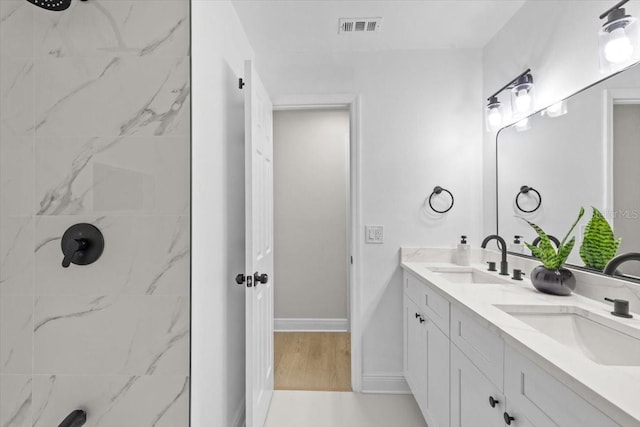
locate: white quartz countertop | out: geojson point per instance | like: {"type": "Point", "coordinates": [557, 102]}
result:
{"type": "Point", "coordinates": [615, 390]}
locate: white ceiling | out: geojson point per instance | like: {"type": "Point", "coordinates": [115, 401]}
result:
{"type": "Point", "coordinates": [312, 25]}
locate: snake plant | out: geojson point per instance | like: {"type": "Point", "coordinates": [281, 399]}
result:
{"type": "Point", "coordinates": [599, 245]}
{"type": "Point", "coordinates": [551, 258]}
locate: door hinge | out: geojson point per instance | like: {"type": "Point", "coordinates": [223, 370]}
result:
{"type": "Point", "coordinates": [240, 83]}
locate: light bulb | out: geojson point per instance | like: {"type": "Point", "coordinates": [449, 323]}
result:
{"type": "Point", "coordinates": [523, 101]}
{"type": "Point", "coordinates": [619, 48]}
{"type": "Point", "coordinates": [494, 117]}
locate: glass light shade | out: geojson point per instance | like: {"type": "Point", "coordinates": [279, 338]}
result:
{"type": "Point", "coordinates": [556, 110]}
{"type": "Point", "coordinates": [494, 115]}
{"type": "Point", "coordinates": [522, 99]}
{"type": "Point", "coordinates": [619, 44]}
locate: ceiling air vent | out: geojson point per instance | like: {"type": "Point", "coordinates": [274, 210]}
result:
{"type": "Point", "coordinates": [359, 25]}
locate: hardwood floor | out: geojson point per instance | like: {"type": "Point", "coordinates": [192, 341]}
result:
{"type": "Point", "coordinates": [318, 361]}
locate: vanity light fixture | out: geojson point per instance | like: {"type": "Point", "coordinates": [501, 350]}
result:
{"type": "Point", "coordinates": [556, 110]}
{"type": "Point", "coordinates": [494, 114]}
{"type": "Point", "coordinates": [619, 39]}
{"type": "Point", "coordinates": [522, 95]}
{"type": "Point", "coordinates": [522, 101]}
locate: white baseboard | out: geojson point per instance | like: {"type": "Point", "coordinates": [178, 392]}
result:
{"type": "Point", "coordinates": [311, 325]}
{"type": "Point", "coordinates": [239, 416]}
{"type": "Point", "coordinates": [385, 383]}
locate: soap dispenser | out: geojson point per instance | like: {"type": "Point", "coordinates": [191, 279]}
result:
{"type": "Point", "coordinates": [464, 252]}
{"type": "Point", "coordinates": [517, 246]}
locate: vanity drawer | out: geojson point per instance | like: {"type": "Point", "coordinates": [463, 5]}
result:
{"type": "Point", "coordinates": [542, 399]}
{"type": "Point", "coordinates": [436, 308]}
{"type": "Point", "coordinates": [413, 288]}
{"type": "Point", "coordinates": [484, 348]}
{"type": "Point", "coordinates": [434, 305]}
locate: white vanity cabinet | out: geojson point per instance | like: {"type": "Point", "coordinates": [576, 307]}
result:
{"type": "Point", "coordinates": [462, 373]}
{"type": "Point", "coordinates": [415, 351]}
{"type": "Point", "coordinates": [426, 350]}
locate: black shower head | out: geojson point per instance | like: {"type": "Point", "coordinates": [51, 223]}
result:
{"type": "Point", "coordinates": [55, 5]}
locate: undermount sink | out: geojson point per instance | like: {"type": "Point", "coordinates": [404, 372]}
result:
{"type": "Point", "coordinates": [602, 340]}
{"type": "Point", "coordinates": [469, 275]}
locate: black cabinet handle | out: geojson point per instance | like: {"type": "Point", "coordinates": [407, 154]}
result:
{"type": "Point", "coordinates": [508, 418]}
{"type": "Point", "coordinates": [417, 315]}
{"type": "Point", "coordinates": [493, 401]}
{"type": "Point", "coordinates": [75, 419]}
{"type": "Point", "coordinates": [421, 319]}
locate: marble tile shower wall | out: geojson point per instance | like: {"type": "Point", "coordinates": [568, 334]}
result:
{"type": "Point", "coordinates": [94, 127]}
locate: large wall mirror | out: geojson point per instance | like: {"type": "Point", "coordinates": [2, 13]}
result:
{"type": "Point", "coordinates": [589, 156]}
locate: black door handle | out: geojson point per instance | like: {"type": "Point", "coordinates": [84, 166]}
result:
{"type": "Point", "coordinates": [75, 419]}
{"type": "Point", "coordinates": [260, 278]}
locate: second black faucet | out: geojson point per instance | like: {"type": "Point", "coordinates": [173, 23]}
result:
{"type": "Point", "coordinates": [502, 245]}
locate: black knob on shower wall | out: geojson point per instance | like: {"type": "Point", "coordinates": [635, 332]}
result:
{"type": "Point", "coordinates": [82, 244]}
{"type": "Point", "coordinates": [75, 419]}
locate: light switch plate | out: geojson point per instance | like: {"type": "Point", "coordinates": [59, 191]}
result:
{"type": "Point", "coordinates": [374, 234]}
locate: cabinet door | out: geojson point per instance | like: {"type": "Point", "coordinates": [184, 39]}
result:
{"type": "Point", "coordinates": [415, 354]}
{"type": "Point", "coordinates": [437, 376]}
{"type": "Point", "coordinates": [545, 401]}
{"type": "Point", "coordinates": [470, 393]}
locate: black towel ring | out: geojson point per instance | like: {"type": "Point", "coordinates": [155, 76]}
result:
{"type": "Point", "coordinates": [438, 190]}
{"type": "Point", "coordinates": [524, 190]}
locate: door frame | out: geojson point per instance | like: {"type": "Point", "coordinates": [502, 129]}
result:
{"type": "Point", "coordinates": [352, 103]}
{"type": "Point", "coordinates": [611, 98]}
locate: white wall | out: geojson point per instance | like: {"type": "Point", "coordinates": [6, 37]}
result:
{"type": "Point", "coordinates": [419, 128]}
{"type": "Point", "coordinates": [310, 157]}
{"type": "Point", "coordinates": [558, 40]}
{"type": "Point", "coordinates": [219, 49]}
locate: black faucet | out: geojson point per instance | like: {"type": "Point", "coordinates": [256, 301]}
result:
{"type": "Point", "coordinates": [613, 265]}
{"type": "Point", "coordinates": [502, 245]}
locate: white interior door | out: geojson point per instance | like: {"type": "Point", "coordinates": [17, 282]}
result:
{"type": "Point", "coordinates": [259, 247]}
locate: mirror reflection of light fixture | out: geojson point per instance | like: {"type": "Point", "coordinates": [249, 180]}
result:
{"type": "Point", "coordinates": [494, 114]}
{"type": "Point", "coordinates": [556, 110]}
{"type": "Point", "coordinates": [523, 125]}
{"type": "Point", "coordinates": [522, 101]}
{"type": "Point", "coordinates": [619, 39]}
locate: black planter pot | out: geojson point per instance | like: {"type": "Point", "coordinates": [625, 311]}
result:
{"type": "Point", "coordinates": [555, 282]}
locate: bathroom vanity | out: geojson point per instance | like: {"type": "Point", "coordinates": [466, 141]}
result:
{"type": "Point", "coordinates": [481, 349]}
